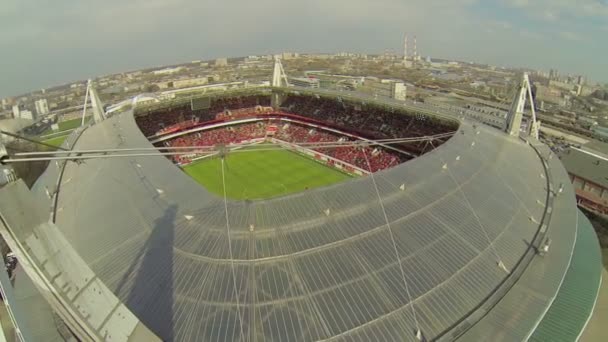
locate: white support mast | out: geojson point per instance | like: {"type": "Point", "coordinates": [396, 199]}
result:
{"type": "Point", "coordinates": [98, 111]}
{"type": "Point", "coordinates": [278, 75]}
{"type": "Point", "coordinates": [96, 104]}
{"type": "Point", "coordinates": [515, 116]}
{"type": "Point", "coordinates": [86, 100]}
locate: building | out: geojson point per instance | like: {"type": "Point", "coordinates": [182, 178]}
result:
{"type": "Point", "coordinates": [571, 87]}
{"type": "Point", "coordinates": [586, 121]}
{"type": "Point", "coordinates": [553, 74]}
{"type": "Point", "coordinates": [16, 111]}
{"type": "Point", "coordinates": [399, 91]}
{"type": "Point", "coordinates": [588, 171]}
{"type": "Point", "coordinates": [221, 62]}
{"type": "Point", "coordinates": [580, 80]}
{"type": "Point", "coordinates": [7, 102]}
{"type": "Point", "coordinates": [549, 95]}
{"type": "Point", "coordinates": [42, 107]}
{"type": "Point", "coordinates": [289, 55]}
{"type": "Point", "coordinates": [600, 131]}
{"type": "Point", "coordinates": [304, 82]}
{"type": "Point", "coordinates": [27, 114]}
{"type": "Point", "coordinates": [386, 88]}
{"type": "Point", "coordinates": [190, 82]}
{"type": "Point", "coordinates": [168, 71]}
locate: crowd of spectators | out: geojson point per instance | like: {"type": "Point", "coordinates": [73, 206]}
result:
{"type": "Point", "coordinates": [176, 118]}
{"type": "Point", "coordinates": [373, 121]}
{"type": "Point", "coordinates": [151, 123]}
{"type": "Point", "coordinates": [243, 113]}
{"type": "Point", "coordinates": [365, 120]}
{"type": "Point", "coordinates": [357, 155]}
{"type": "Point", "coordinates": [230, 103]}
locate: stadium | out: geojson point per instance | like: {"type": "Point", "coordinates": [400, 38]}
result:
{"type": "Point", "coordinates": [279, 213]}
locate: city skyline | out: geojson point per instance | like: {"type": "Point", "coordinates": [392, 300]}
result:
{"type": "Point", "coordinates": [55, 43]}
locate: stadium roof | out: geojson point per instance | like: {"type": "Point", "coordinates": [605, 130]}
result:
{"type": "Point", "coordinates": [321, 264]}
{"type": "Point", "coordinates": [591, 166]}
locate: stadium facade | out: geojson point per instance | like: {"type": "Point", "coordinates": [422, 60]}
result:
{"type": "Point", "coordinates": [479, 239]}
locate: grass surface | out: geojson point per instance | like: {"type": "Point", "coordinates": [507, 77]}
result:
{"type": "Point", "coordinates": [67, 125]}
{"type": "Point", "coordinates": [262, 174]}
{"type": "Point", "coordinates": [57, 141]}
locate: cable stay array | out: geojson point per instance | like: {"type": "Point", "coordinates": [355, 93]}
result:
{"type": "Point", "coordinates": [75, 155]}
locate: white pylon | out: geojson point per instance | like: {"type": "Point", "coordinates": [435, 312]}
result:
{"type": "Point", "coordinates": [278, 74]}
{"type": "Point", "coordinates": [515, 116]}
{"type": "Point", "coordinates": [96, 104]}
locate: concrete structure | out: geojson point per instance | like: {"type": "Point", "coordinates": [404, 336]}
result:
{"type": "Point", "coordinates": [16, 111]}
{"type": "Point", "coordinates": [399, 91]}
{"type": "Point", "coordinates": [7, 103]}
{"type": "Point", "coordinates": [95, 104]}
{"type": "Point", "coordinates": [27, 114]}
{"type": "Point", "coordinates": [490, 116]}
{"type": "Point", "coordinates": [289, 55]}
{"type": "Point", "coordinates": [580, 80]}
{"type": "Point", "coordinates": [386, 88]}
{"type": "Point", "coordinates": [190, 82]}
{"type": "Point", "coordinates": [42, 107]}
{"type": "Point", "coordinates": [600, 131]}
{"type": "Point", "coordinates": [569, 87]}
{"type": "Point", "coordinates": [279, 78]}
{"type": "Point", "coordinates": [516, 113]}
{"type": "Point", "coordinates": [550, 95]}
{"type": "Point", "coordinates": [553, 74]}
{"type": "Point", "coordinates": [450, 245]}
{"type": "Point", "coordinates": [304, 82]}
{"type": "Point", "coordinates": [168, 71]}
{"type": "Point", "coordinates": [588, 171]}
{"type": "Point", "coordinates": [221, 62]}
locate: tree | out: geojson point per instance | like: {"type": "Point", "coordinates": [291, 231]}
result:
{"type": "Point", "coordinates": [152, 88]}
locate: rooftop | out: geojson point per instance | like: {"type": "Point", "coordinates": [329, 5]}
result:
{"type": "Point", "coordinates": [592, 166]}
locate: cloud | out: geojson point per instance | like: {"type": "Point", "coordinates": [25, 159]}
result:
{"type": "Point", "coordinates": [50, 42]}
{"type": "Point", "coordinates": [550, 15]}
{"type": "Point", "coordinates": [65, 40]}
{"type": "Point", "coordinates": [568, 35]}
{"type": "Point", "coordinates": [552, 10]}
{"type": "Point", "coordinates": [504, 25]}
{"type": "Point", "coordinates": [519, 3]}
{"type": "Point", "coordinates": [531, 35]}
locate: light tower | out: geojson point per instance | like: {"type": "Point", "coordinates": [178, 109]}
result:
{"type": "Point", "coordinates": [515, 116]}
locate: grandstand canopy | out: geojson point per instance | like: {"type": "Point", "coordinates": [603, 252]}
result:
{"type": "Point", "coordinates": [440, 246]}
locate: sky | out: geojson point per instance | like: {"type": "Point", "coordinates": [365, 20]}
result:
{"type": "Point", "coordinates": [51, 42]}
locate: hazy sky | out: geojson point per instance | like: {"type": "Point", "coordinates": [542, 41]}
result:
{"type": "Point", "coordinates": [48, 42]}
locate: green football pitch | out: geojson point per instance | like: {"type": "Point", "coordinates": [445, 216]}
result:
{"type": "Point", "coordinates": [262, 174]}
